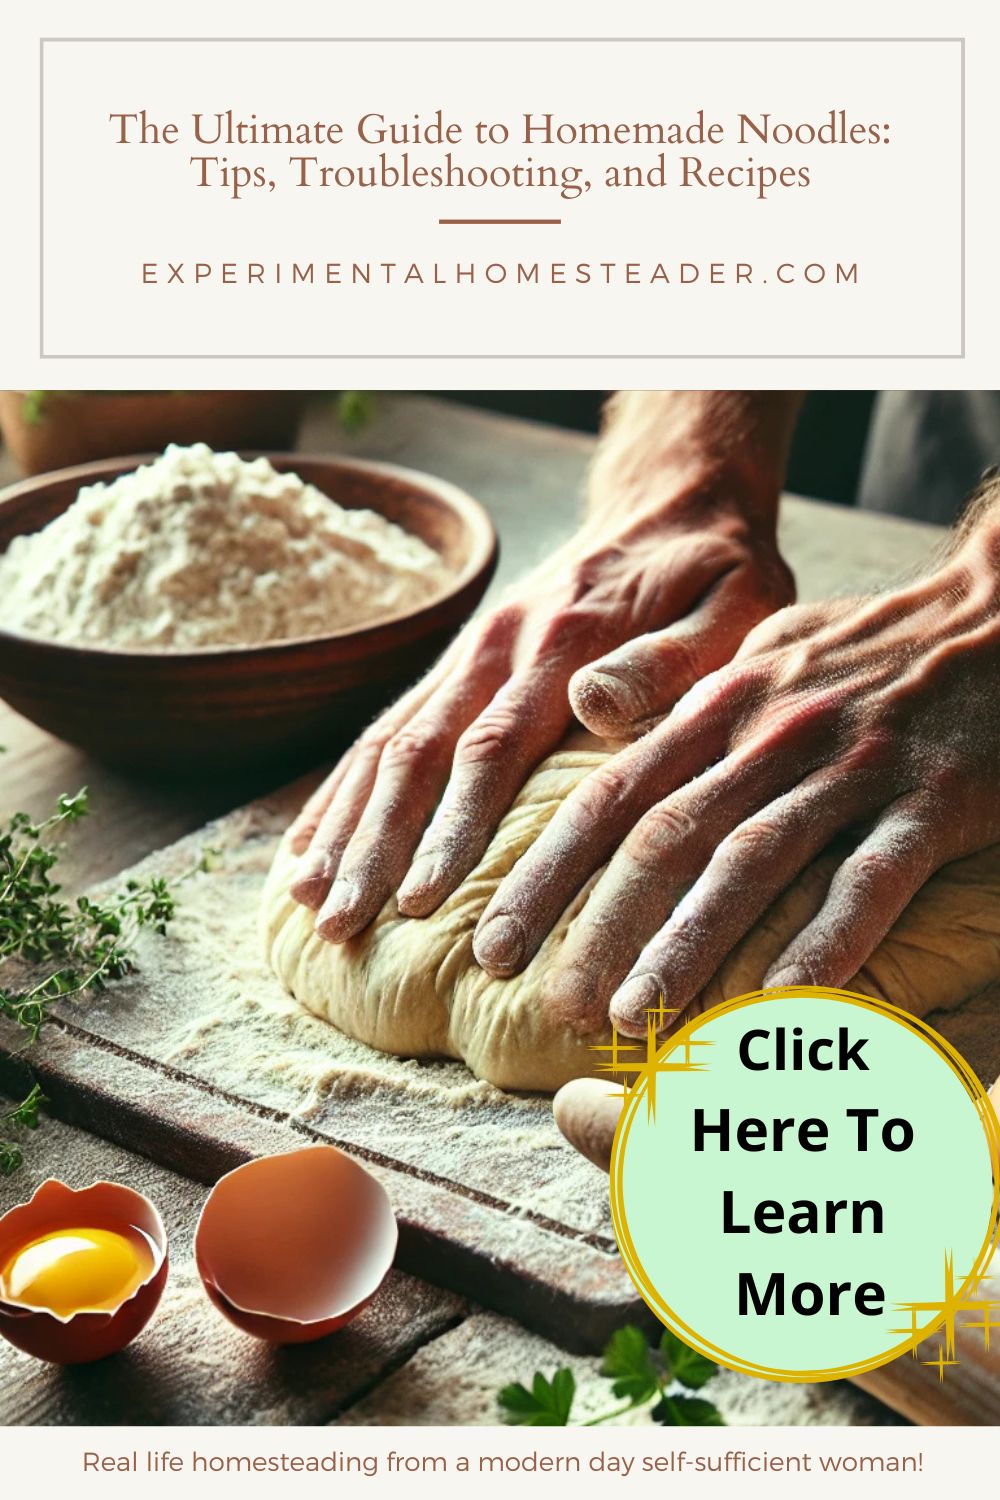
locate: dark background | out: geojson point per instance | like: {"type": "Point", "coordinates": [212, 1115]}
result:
{"type": "Point", "coordinates": [826, 453]}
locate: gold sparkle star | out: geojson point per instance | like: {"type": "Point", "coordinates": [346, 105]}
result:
{"type": "Point", "coordinates": [647, 1062]}
{"type": "Point", "coordinates": [940, 1364]}
{"type": "Point", "coordinates": [949, 1305]}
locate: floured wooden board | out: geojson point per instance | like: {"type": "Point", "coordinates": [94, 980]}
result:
{"type": "Point", "coordinates": [201, 1061]}
{"type": "Point", "coordinates": [416, 1355]}
{"type": "Point", "coordinates": [191, 1367]}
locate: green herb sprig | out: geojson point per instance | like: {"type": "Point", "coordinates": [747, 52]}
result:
{"type": "Point", "coordinates": [355, 409]}
{"type": "Point", "coordinates": [640, 1375]}
{"type": "Point", "coordinates": [79, 945]}
{"type": "Point", "coordinates": [25, 1117]}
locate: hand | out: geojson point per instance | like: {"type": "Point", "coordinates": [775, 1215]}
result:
{"type": "Point", "coordinates": [682, 579]}
{"type": "Point", "coordinates": [874, 714]}
{"type": "Point", "coordinates": [587, 1111]}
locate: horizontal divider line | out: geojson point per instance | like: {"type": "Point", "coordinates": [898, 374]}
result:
{"type": "Point", "coordinates": [499, 221]}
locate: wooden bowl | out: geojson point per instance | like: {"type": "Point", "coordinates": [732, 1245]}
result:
{"type": "Point", "coordinates": [75, 427]}
{"type": "Point", "coordinates": [219, 708]}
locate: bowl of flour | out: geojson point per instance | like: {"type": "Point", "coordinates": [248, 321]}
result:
{"type": "Point", "coordinates": [200, 610]}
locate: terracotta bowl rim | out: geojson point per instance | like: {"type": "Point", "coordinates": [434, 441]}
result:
{"type": "Point", "coordinates": [474, 516]}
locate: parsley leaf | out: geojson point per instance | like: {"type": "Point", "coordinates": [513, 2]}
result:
{"type": "Point", "coordinates": [547, 1404]}
{"type": "Point", "coordinates": [687, 1411]}
{"type": "Point", "coordinates": [638, 1375]}
{"type": "Point", "coordinates": [684, 1364]}
{"type": "Point", "coordinates": [628, 1362]}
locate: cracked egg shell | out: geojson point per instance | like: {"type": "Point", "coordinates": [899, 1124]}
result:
{"type": "Point", "coordinates": [292, 1246]}
{"type": "Point", "coordinates": [83, 1335]}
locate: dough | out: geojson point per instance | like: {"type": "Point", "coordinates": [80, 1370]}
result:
{"type": "Point", "coordinates": [413, 987]}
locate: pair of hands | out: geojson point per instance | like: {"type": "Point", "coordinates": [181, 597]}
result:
{"type": "Point", "coordinates": [758, 731]}
{"type": "Point", "coordinates": [616, 627]}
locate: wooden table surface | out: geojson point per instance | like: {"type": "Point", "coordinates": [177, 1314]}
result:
{"type": "Point", "coordinates": [397, 1363]}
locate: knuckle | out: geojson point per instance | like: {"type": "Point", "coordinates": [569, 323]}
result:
{"type": "Point", "coordinates": [742, 682]}
{"type": "Point", "coordinates": [797, 662]}
{"type": "Point", "coordinates": [962, 577]}
{"type": "Point", "coordinates": [870, 867]}
{"type": "Point", "coordinates": [729, 688]}
{"type": "Point", "coordinates": [598, 800]}
{"type": "Point", "coordinates": [500, 625]}
{"type": "Point", "coordinates": [756, 839]}
{"type": "Point", "coordinates": [925, 825]}
{"type": "Point", "coordinates": [752, 566]}
{"type": "Point", "coordinates": [373, 740]}
{"type": "Point", "coordinates": [362, 853]}
{"type": "Point", "coordinates": [774, 631]}
{"type": "Point", "coordinates": [592, 570]}
{"type": "Point", "coordinates": [658, 832]}
{"type": "Point", "coordinates": [873, 750]}
{"type": "Point", "coordinates": [301, 836]}
{"type": "Point", "coordinates": [488, 740]}
{"type": "Point", "coordinates": [410, 747]}
{"type": "Point", "coordinates": [570, 628]}
{"type": "Point", "coordinates": [947, 781]}
{"type": "Point", "coordinates": [558, 630]}
{"type": "Point", "coordinates": [792, 717]}
{"type": "Point", "coordinates": [759, 638]}
{"type": "Point", "coordinates": [721, 553]}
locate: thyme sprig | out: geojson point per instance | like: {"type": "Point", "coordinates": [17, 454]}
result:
{"type": "Point", "coordinates": [78, 945]}
{"type": "Point", "coordinates": [25, 1117]}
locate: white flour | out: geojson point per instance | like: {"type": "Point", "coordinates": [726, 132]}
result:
{"type": "Point", "coordinates": [202, 549]}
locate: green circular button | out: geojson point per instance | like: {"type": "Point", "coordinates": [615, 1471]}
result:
{"type": "Point", "coordinates": [805, 1183]}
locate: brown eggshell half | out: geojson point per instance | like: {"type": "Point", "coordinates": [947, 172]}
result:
{"type": "Point", "coordinates": [290, 1247]}
{"type": "Point", "coordinates": [84, 1336]}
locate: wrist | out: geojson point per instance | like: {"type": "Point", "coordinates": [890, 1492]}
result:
{"type": "Point", "coordinates": [974, 565]}
{"type": "Point", "coordinates": [686, 497]}
{"type": "Point", "coordinates": [693, 454]}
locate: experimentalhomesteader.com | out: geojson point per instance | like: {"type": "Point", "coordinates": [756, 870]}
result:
{"type": "Point", "coordinates": [402, 273]}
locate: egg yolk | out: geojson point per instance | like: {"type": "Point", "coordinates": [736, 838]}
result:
{"type": "Point", "coordinates": [76, 1270]}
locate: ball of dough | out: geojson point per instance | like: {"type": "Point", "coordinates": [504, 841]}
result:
{"type": "Point", "coordinates": [412, 987]}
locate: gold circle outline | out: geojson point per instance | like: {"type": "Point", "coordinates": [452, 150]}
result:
{"type": "Point", "coordinates": [655, 1301]}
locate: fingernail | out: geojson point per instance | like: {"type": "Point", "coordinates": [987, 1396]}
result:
{"type": "Point", "coordinates": [597, 698]}
{"type": "Point", "coordinates": [311, 884]}
{"type": "Point", "coordinates": [417, 894]}
{"type": "Point", "coordinates": [612, 699]}
{"type": "Point", "coordinates": [499, 947]}
{"type": "Point", "coordinates": [334, 921]}
{"type": "Point", "coordinates": [629, 1005]}
{"type": "Point", "coordinates": [785, 979]}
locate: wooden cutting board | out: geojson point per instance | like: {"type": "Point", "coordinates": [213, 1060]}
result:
{"type": "Point", "coordinates": [200, 1062]}
{"type": "Point", "coordinates": [492, 1202]}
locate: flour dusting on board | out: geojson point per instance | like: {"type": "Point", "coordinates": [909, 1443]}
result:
{"type": "Point", "coordinates": [454, 1379]}
{"type": "Point", "coordinates": [206, 1003]}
